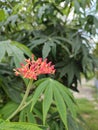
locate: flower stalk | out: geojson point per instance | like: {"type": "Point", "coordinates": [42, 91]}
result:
{"type": "Point", "coordinates": [22, 104]}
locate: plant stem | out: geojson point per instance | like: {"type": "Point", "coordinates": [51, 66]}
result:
{"type": "Point", "coordinates": [23, 101]}
{"type": "Point", "coordinates": [26, 104]}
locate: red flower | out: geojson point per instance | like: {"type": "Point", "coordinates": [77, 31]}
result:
{"type": "Point", "coordinates": [32, 69]}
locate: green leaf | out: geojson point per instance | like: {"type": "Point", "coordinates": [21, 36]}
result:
{"type": "Point", "coordinates": [62, 45]}
{"type": "Point", "coordinates": [39, 90]}
{"type": "Point", "coordinates": [11, 90]}
{"type": "Point", "coordinates": [62, 39]}
{"type": "Point", "coordinates": [76, 45]}
{"type": "Point", "coordinates": [22, 48]}
{"type": "Point", "coordinates": [22, 117]}
{"type": "Point", "coordinates": [54, 125]}
{"type": "Point", "coordinates": [14, 49]}
{"type": "Point", "coordinates": [4, 125]}
{"type": "Point", "coordinates": [69, 103]}
{"type": "Point", "coordinates": [83, 3]}
{"type": "Point", "coordinates": [61, 107]}
{"type": "Point", "coordinates": [77, 5]}
{"type": "Point", "coordinates": [46, 49]}
{"type": "Point", "coordinates": [38, 112]}
{"type": "Point", "coordinates": [52, 90]}
{"type": "Point", "coordinates": [71, 70]}
{"type": "Point", "coordinates": [2, 15]}
{"type": "Point", "coordinates": [96, 22]}
{"type": "Point", "coordinates": [37, 42]}
{"type": "Point", "coordinates": [12, 19]}
{"type": "Point", "coordinates": [38, 82]}
{"type": "Point", "coordinates": [2, 51]}
{"type": "Point", "coordinates": [48, 98]}
{"type": "Point", "coordinates": [26, 115]}
{"type": "Point", "coordinates": [5, 69]}
{"type": "Point", "coordinates": [30, 117]}
{"type": "Point", "coordinates": [53, 49]}
{"type": "Point", "coordinates": [8, 109]}
{"type": "Point", "coordinates": [17, 55]}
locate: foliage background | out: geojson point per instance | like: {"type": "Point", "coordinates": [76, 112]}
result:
{"type": "Point", "coordinates": [61, 31]}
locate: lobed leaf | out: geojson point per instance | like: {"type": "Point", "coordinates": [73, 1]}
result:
{"type": "Point", "coordinates": [14, 49]}
{"type": "Point", "coordinates": [53, 91]}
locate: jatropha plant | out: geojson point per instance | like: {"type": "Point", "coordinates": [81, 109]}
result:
{"type": "Point", "coordinates": [31, 70]}
{"type": "Point", "coordinates": [55, 95]}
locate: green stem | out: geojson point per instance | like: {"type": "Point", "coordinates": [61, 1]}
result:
{"type": "Point", "coordinates": [22, 102]}
{"type": "Point", "coordinates": [26, 104]}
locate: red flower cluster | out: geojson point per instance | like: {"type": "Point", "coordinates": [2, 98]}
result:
{"type": "Point", "coordinates": [33, 68]}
